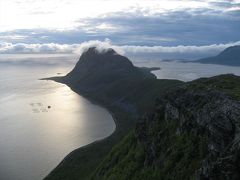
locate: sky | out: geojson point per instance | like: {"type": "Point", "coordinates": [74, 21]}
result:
{"type": "Point", "coordinates": [155, 28]}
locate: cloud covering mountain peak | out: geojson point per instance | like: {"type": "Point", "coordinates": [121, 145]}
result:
{"type": "Point", "coordinates": [130, 50]}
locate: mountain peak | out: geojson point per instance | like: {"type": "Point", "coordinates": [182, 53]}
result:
{"type": "Point", "coordinates": [100, 66]}
{"type": "Point", "coordinates": [97, 68]}
{"type": "Point", "coordinates": [95, 50]}
{"type": "Point", "coordinates": [102, 59]}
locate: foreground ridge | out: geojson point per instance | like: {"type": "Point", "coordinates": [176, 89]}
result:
{"type": "Point", "coordinates": [192, 133]}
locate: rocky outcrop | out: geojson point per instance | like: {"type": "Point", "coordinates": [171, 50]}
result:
{"type": "Point", "coordinates": [206, 115]}
{"type": "Point", "coordinates": [192, 133]}
{"type": "Point", "coordinates": [96, 69]}
{"type": "Point", "coordinates": [96, 62]}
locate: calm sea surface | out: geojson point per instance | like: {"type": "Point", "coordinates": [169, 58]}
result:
{"type": "Point", "coordinates": [42, 121]}
{"type": "Point", "coordinates": [186, 71]}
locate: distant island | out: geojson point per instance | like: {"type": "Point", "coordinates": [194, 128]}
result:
{"type": "Point", "coordinates": [230, 56]}
{"type": "Point", "coordinates": [166, 129]}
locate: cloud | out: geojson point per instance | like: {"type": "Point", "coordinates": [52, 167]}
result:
{"type": "Point", "coordinates": [190, 26]}
{"type": "Point", "coordinates": [149, 23]}
{"type": "Point", "coordinates": [22, 48]}
{"type": "Point", "coordinates": [137, 28]}
{"type": "Point", "coordinates": [134, 22]}
{"type": "Point", "coordinates": [15, 37]}
{"type": "Point", "coordinates": [100, 45]}
{"type": "Point", "coordinates": [49, 14]}
{"type": "Point", "coordinates": [128, 50]}
{"type": "Point", "coordinates": [178, 49]}
{"type": "Point", "coordinates": [175, 52]}
{"type": "Point", "coordinates": [9, 48]}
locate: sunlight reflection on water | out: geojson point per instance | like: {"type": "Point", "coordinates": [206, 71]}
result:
{"type": "Point", "coordinates": [35, 138]}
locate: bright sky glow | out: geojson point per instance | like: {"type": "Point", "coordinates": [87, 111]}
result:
{"type": "Point", "coordinates": [67, 14]}
{"type": "Point", "coordinates": [62, 25]}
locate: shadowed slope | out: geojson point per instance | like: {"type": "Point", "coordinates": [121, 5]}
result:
{"type": "Point", "coordinates": [112, 81]}
{"type": "Point", "coordinates": [191, 133]}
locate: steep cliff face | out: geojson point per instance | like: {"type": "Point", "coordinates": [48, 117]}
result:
{"type": "Point", "coordinates": [112, 78]}
{"type": "Point", "coordinates": [193, 133]}
{"type": "Point", "coordinates": [93, 62]}
{"type": "Point", "coordinates": [98, 68]}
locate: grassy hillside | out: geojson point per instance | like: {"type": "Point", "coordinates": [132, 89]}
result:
{"type": "Point", "coordinates": [191, 134]}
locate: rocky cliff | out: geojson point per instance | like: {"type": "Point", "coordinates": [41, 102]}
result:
{"type": "Point", "coordinates": [97, 68]}
{"type": "Point", "coordinates": [192, 133]}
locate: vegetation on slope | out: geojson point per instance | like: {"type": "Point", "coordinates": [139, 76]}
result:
{"type": "Point", "coordinates": [191, 134]}
{"type": "Point", "coordinates": [228, 84]}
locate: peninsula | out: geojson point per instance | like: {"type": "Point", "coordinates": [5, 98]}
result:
{"type": "Point", "coordinates": [166, 129]}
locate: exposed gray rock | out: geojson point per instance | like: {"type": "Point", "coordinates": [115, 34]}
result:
{"type": "Point", "coordinates": [219, 116]}
{"type": "Point", "coordinates": [209, 114]}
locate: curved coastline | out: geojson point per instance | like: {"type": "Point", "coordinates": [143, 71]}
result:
{"type": "Point", "coordinates": [96, 141]}
{"type": "Point", "coordinates": [110, 140]}
{"type": "Point", "coordinates": [83, 162]}
{"type": "Point", "coordinates": [126, 91]}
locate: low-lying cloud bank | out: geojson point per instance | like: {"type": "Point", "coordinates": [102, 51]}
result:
{"type": "Point", "coordinates": [22, 48]}
{"type": "Point", "coordinates": [129, 50]}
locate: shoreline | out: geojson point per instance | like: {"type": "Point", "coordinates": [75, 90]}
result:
{"type": "Point", "coordinates": [85, 160]}
{"type": "Point", "coordinates": [111, 137]}
{"type": "Point", "coordinates": [94, 142]}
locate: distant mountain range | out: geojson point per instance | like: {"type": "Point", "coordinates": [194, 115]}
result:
{"type": "Point", "coordinates": [230, 56]}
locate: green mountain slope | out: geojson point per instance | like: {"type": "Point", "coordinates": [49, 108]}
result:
{"type": "Point", "coordinates": [192, 133]}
